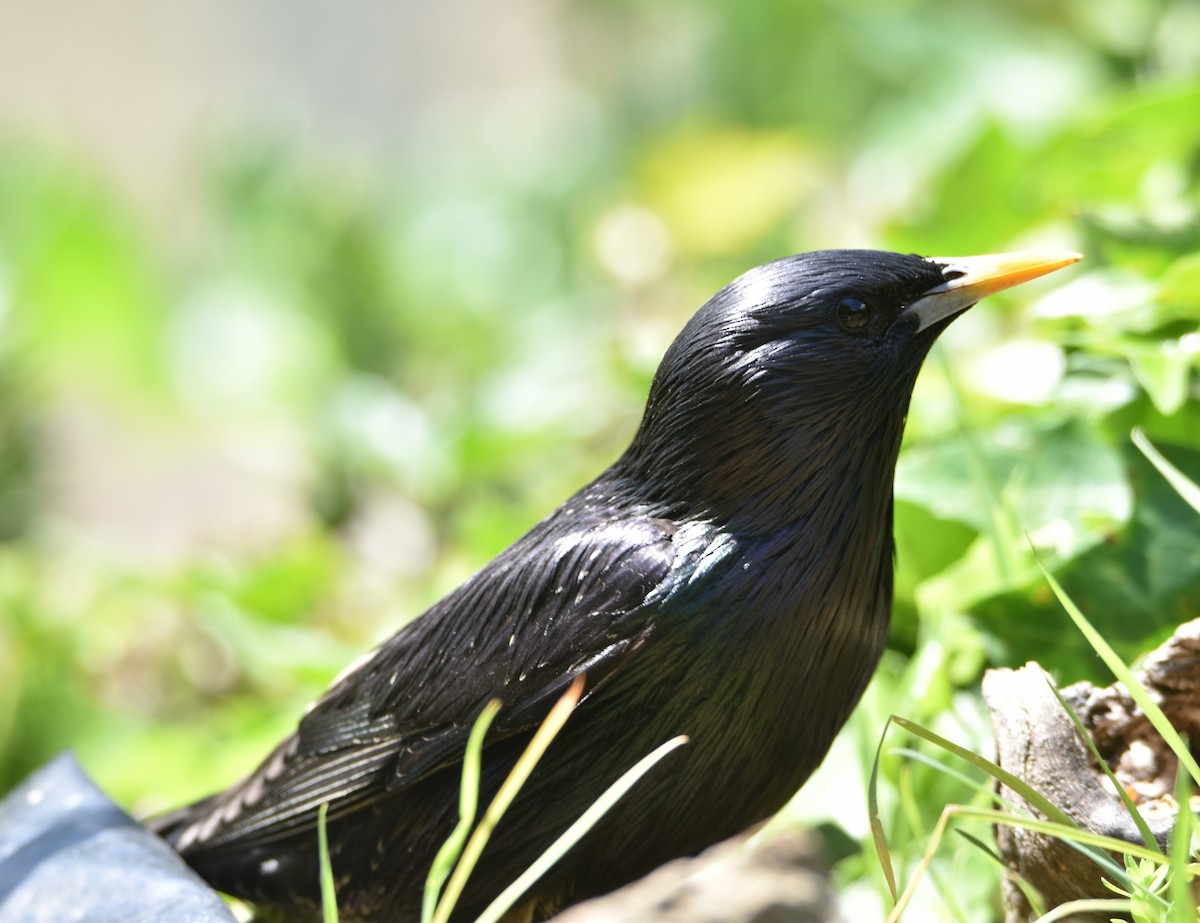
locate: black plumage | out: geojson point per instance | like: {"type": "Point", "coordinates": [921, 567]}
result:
{"type": "Point", "coordinates": [729, 577]}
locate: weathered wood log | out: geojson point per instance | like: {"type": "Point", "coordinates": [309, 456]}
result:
{"type": "Point", "coordinates": [1036, 741]}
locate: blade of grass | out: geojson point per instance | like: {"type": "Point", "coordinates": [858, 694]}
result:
{"type": "Point", "coordinates": [329, 911]}
{"type": "Point", "coordinates": [908, 801]}
{"type": "Point", "coordinates": [982, 788]}
{"type": "Point", "coordinates": [1136, 690]}
{"type": "Point", "coordinates": [1184, 486]}
{"type": "Point", "coordinates": [882, 852]}
{"type": "Point", "coordinates": [573, 834]}
{"type": "Point", "coordinates": [980, 785]}
{"type": "Point", "coordinates": [908, 804]}
{"type": "Point", "coordinates": [1034, 798]}
{"type": "Point", "coordinates": [1089, 905]}
{"type": "Point", "coordinates": [1143, 828]}
{"type": "Point", "coordinates": [1183, 907]}
{"type": "Point", "coordinates": [1022, 788]}
{"type": "Point", "coordinates": [468, 803]}
{"type": "Point", "coordinates": [1072, 834]}
{"type": "Point", "coordinates": [1001, 775]}
{"type": "Point", "coordinates": [1031, 894]}
{"type": "Point", "coordinates": [504, 797]}
{"type": "Point", "coordinates": [1067, 833]}
{"type": "Point", "coordinates": [981, 846]}
{"type": "Point", "coordinates": [931, 848]}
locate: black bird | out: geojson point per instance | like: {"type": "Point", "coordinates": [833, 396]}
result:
{"type": "Point", "coordinates": [729, 577]}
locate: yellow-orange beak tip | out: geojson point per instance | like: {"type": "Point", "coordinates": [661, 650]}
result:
{"type": "Point", "coordinates": [970, 278]}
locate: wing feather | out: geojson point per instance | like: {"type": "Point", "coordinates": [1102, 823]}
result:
{"type": "Point", "coordinates": [566, 599]}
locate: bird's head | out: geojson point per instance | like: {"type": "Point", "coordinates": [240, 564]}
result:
{"type": "Point", "coordinates": [800, 371]}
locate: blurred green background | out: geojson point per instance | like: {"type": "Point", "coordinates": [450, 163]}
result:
{"type": "Point", "coordinates": [306, 311]}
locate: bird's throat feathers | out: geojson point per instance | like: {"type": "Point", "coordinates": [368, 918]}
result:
{"type": "Point", "coordinates": [765, 460]}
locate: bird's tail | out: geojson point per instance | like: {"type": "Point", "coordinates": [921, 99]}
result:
{"type": "Point", "coordinates": [238, 869]}
{"type": "Point", "coordinates": [171, 824]}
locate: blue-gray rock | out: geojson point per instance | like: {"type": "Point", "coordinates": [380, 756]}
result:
{"type": "Point", "coordinates": [68, 853]}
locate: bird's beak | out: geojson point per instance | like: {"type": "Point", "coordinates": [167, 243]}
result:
{"type": "Point", "coordinates": [970, 278]}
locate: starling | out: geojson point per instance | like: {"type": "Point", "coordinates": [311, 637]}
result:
{"type": "Point", "coordinates": [729, 577]}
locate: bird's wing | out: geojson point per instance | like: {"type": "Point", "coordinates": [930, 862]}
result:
{"type": "Point", "coordinates": [563, 600]}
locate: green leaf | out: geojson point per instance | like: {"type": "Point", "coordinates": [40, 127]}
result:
{"type": "Point", "coordinates": [1105, 155]}
{"type": "Point", "coordinates": [979, 199]}
{"type": "Point", "coordinates": [1134, 583]}
{"type": "Point", "coordinates": [1163, 367]}
{"type": "Point", "coordinates": [1179, 287]}
{"type": "Point", "coordinates": [89, 298]}
{"type": "Point", "coordinates": [720, 188]}
{"type": "Point", "coordinates": [1062, 484]}
{"type": "Point", "coordinates": [1062, 479]}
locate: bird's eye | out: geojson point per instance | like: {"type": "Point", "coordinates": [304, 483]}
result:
{"type": "Point", "coordinates": [854, 315]}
